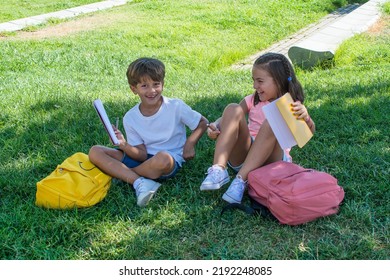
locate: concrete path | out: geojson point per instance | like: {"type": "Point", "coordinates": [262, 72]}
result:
{"type": "Point", "coordinates": [307, 48]}
{"type": "Point", "coordinates": [318, 42]}
{"type": "Point", "coordinates": [19, 24]}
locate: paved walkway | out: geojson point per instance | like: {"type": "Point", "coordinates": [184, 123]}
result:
{"type": "Point", "coordinates": [307, 48]}
{"type": "Point", "coordinates": [319, 41]}
{"type": "Point", "coordinates": [19, 24]}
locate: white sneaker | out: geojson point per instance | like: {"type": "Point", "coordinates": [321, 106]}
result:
{"type": "Point", "coordinates": [235, 192]}
{"type": "Point", "coordinates": [215, 179]}
{"type": "Point", "coordinates": [145, 191]}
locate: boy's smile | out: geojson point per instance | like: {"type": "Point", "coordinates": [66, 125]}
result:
{"type": "Point", "coordinates": [149, 92]}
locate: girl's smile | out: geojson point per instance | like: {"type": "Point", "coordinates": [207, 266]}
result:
{"type": "Point", "coordinates": [264, 84]}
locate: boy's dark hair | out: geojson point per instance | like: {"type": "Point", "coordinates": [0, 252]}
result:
{"type": "Point", "coordinates": [283, 74]}
{"type": "Point", "coordinates": [145, 66]}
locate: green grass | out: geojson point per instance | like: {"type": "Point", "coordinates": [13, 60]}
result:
{"type": "Point", "coordinates": [47, 86]}
{"type": "Point", "coordinates": [16, 9]}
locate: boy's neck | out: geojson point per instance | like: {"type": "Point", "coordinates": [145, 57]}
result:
{"type": "Point", "coordinates": [147, 110]}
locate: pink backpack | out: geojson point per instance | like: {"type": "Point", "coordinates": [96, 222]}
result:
{"type": "Point", "coordinates": [293, 194]}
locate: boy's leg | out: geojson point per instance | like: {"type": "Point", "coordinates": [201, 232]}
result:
{"type": "Point", "coordinates": [109, 160]}
{"type": "Point", "coordinates": [159, 165]}
{"type": "Point", "coordinates": [232, 144]}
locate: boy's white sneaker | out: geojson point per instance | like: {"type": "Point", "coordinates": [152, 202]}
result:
{"type": "Point", "coordinates": [235, 192]}
{"type": "Point", "coordinates": [217, 176]}
{"type": "Point", "coordinates": [145, 190]}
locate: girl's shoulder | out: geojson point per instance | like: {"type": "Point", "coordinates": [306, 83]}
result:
{"type": "Point", "coordinates": [249, 100]}
{"type": "Point", "coordinates": [249, 97]}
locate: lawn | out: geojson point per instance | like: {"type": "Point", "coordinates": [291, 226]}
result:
{"type": "Point", "coordinates": [48, 83]}
{"type": "Point", "coordinates": [16, 9]}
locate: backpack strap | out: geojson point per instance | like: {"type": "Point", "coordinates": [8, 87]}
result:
{"type": "Point", "coordinates": [242, 207]}
{"type": "Point", "coordinates": [255, 209]}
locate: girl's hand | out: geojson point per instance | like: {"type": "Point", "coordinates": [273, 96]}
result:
{"type": "Point", "coordinates": [300, 110]}
{"type": "Point", "coordinates": [213, 131]}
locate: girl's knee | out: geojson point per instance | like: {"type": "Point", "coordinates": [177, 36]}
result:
{"type": "Point", "coordinates": [234, 109]}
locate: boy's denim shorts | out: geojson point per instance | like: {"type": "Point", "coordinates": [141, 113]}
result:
{"type": "Point", "coordinates": [131, 163]}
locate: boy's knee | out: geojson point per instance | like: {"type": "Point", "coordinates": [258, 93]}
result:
{"type": "Point", "coordinates": [94, 153]}
{"type": "Point", "coordinates": [164, 160]}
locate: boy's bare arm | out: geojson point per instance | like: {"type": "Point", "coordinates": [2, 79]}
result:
{"type": "Point", "coordinates": [189, 147]}
{"type": "Point", "coordinates": [136, 152]}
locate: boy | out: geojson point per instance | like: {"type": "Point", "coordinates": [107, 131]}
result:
{"type": "Point", "coordinates": [156, 145]}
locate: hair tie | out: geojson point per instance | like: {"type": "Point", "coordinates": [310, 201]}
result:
{"type": "Point", "coordinates": [289, 79]}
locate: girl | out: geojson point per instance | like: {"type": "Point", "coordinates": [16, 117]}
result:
{"type": "Point", "coordinates": [245, 147]}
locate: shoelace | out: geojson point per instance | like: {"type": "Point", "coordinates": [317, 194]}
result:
{"type": "Point", "coordinates": [239, 183]}
{"type": "Point", "coordinates": [213, 172]}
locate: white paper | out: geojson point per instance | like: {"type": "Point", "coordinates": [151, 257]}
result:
{"type": "Point", "coordinates": [105, 120]}
{"type": "Point", "coordinates": [279, 127]}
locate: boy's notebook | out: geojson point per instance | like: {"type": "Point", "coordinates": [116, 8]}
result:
{"type": "Point", "coordinates": [288, 130]}
{"type": "Point", "coordinates": [106, 122]}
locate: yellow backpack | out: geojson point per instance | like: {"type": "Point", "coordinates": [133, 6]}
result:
{"type": "Point", "coordinates": [75, 183]}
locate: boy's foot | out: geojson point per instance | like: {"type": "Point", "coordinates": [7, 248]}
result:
{"type": "Point", "coordinates": [235, 192]}
{"type": "Point", "coordinates": [216, 177]}
{"type": "Point", "coordinates": [145, 190]}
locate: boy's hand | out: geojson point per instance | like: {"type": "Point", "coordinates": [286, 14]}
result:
{"type": "Point", "coordinates": [188, 151]}
{"type": "Point", "coordinates": [213, 131]}
{"type": "Point", "coordinates": [119, 135]}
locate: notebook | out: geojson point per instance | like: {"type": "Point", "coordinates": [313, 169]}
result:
{"type": "Point", "coordinates": [105, 120]}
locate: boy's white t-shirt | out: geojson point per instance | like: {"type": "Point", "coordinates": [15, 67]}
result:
{"type": "Point", "coordinates": [163, 131]}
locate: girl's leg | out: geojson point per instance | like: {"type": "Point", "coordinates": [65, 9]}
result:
{"type": "Point", "coordinates": [234, 141]}
{"type": "Point", "coordinates": [232, 144]}
{"type": "Point", "coordinates": [265, 149]}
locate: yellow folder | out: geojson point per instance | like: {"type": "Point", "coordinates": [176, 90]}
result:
{"type": "Point", "coordinates": [298, 127]}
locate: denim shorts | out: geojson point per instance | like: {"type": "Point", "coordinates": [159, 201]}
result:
{"type": "Point", "coordinates": [237, 168]}
{"type": "Point", "coordinates": [286, 157]}
{"type": "Point", "coordinates": [131, 163]}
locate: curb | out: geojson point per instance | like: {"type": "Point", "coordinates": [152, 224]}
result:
{"type": "Point", "coordinates": [322, 45]}
{"type": "Point", "coordinates": [318, 42]}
